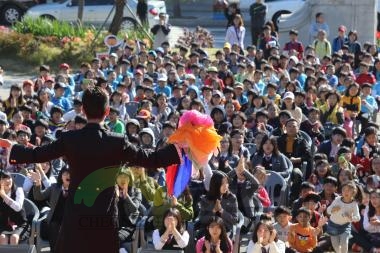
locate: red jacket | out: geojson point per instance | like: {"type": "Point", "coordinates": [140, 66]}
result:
{"type": "Point", "coordinates": [365, 78]}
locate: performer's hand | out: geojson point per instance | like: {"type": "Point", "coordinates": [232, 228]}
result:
{"type": "Point", "coordinates": [5, 143]}
{"type": "Point", "coordinates": [174, 201]}
{"type": "Point", "coordinates": [2, 191]}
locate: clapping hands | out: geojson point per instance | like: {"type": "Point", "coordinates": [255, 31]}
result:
{"type": "Point", "coordinates": [218, 206]}
{"type": "Point", "coordinates": [240, 168]}
{"type": "Point", "coordinates": [35, 176]}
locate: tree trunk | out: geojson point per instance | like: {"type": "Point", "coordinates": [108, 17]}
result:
{"type": "Point", "coordinates": [177, 9]}
{"type": "Point", "coordinates": [80, 10]}
{"type": "Point", "coordinates": [118, 18]}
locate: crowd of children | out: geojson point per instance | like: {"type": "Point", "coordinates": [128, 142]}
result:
{"type": "Point", "coordinates": [305, 114]}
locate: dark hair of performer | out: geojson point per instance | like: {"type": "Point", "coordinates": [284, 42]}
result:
{"type": "Point", "coordinates": [95, 103]}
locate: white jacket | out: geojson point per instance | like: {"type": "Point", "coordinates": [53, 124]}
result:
{"type": "Point", "coordinates": [274, 247]}
{"type": "Point", "coordinates": [235, 35]}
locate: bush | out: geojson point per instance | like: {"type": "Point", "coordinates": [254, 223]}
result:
{"type": "Point", "coordinates": [46, 27]}
{"type": "Point", "coordinates": [42, 41]}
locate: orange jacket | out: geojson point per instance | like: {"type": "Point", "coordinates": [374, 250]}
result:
{"type": "Point", "coordinates": [302, 239]}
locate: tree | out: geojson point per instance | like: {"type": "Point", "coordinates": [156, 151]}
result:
{"type": "Point", "coordinates": [80, 10]}
{"type": "Point", "coordinates": [118, 18]}
{"type": "Point", "coordinates": [177, 9]}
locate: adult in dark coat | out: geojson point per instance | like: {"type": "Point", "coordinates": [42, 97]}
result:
{"type": "Point", "coordinates": [298, 151]}
{"type": "Point", "coordinates": [258, 13]}
{"type": "Point", "coordinates": [142, 11]}
{"type": "Point", "coordinates": [231, 12]}
{"type": "Point", "coordinates": [92, 226]}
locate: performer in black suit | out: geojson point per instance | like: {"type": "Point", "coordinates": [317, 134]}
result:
{"type": "Point", "coordinates": [92, 228]}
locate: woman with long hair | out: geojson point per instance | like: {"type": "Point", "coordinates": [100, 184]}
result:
{"type": "Point", "coordinates": [216, 239]}
{"type": "Point", "coordinates": [172, 235]}
{"type": "Point", "coordinates": [13, 222]}
{"type": "Point", "coordinates": [271, 158]}
{"type": "Point", "coordinates": [236, 32]}
{"type": "Point", "coordinates": [14, 101]}
{"type": "Point", "coordinates": [219, 201]}
{"type": "Point", "coordinates": [44, 97]}
{"type": "Point", "coordinates": [265, 239]}
{"type": "Point", "coordinates": [57, 195]}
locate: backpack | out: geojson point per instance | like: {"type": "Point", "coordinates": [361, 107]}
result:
{"type": "Point", "coordinates": [316, 42]}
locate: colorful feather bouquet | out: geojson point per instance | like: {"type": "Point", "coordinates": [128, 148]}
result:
{"type": "Point", "coordinates": [195, 134]}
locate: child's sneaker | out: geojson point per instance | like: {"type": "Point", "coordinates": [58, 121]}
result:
{"type": "Point", "coordinates": [356, 248]}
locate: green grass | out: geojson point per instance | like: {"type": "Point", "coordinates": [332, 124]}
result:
{"type": "Point", "coordinates": [46, 27]}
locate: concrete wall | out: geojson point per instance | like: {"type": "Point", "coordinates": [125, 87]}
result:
{"type": "Point", "coordinates": [360, 15]}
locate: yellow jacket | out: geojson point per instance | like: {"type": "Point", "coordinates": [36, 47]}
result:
{"type": "Point", "coordinates": [332, 117]}
{"type": "Point", "coordinates": [351, 104]}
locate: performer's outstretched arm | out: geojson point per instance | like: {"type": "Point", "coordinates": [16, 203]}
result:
{"type": "Point", "coordinates": [21, 154]}
{"type": "Point", "coordinates": [164, 157]}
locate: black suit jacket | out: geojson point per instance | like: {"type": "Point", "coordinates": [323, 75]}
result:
{"type": "Point", "coordinates": [94, 228]}
{"type": "Point", "coordinates": [300, 147]}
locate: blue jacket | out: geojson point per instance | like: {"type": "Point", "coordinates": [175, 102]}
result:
{"type": "Point", "coordinates": [338, 42]}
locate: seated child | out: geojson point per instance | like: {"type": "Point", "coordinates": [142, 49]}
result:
{"type": "Point", "coordinates": [302, 236]}
{"type": "Point", "coordinates": [282, 216]}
